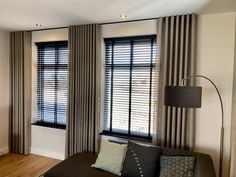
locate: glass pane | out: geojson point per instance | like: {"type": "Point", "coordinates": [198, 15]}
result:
{"type": "Point", "coordinates": [49, 95]}
{"type": "Point", "coordinates": [122, 53]}
{"type": "Point", "coordinates": [107, 100]}
{"type": "Point", "coordinates": [62, 87]}
{"type": "Point", "coordinates": [120, 114]}
{"type": "Point", "coordinates": [140, 101]}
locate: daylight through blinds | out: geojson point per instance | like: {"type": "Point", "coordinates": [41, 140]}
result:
{"type": "Point", "coordinates": [52, 74]}
{"type": "Point", "coordinates": [129, 85]}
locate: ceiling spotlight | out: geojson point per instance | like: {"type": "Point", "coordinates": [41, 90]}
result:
{"type": "Point", "coordinates": [38, 25]}
{"type": "Point", "coordinates": [123, 16]}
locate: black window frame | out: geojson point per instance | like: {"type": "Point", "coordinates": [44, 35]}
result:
{"type": "Point", "coordinates": [40, 82]}
{"type": "Point", "coordinates": [152, 66]}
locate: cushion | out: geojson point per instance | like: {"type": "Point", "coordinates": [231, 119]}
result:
{"type": "Point", "coordinates": [177, 166]}
{"type": "Point", "coordinates": [111, 157]}
{"type": "Point", "coordinates": [141, 161]}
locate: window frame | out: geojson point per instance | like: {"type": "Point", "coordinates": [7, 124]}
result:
{"type": "Point", "coordinates": [152, 67]}
{"type": "Point", "coordinates": [40, 121]}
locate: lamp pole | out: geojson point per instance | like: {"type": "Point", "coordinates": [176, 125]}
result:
{"type": "Point", "coordinates": [222, 118]}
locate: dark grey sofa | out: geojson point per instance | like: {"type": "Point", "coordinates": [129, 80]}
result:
{"type": "Point", "coordinates": [79, 165]}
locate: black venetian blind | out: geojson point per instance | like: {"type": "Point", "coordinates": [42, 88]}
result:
{"type": "Point", "coordinates": [129, 86]}
{"type": "Point", "coordinates": [52, 85]}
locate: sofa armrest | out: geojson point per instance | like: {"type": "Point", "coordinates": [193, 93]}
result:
{"type": "Point", "coordinates": [204, 166]}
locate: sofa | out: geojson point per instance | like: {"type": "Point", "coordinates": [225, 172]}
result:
{"type": "Point", "coordinates": [79, 165]}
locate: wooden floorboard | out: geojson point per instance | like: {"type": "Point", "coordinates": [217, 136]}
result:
{"type": "Point", "coordinates": [15, 165]}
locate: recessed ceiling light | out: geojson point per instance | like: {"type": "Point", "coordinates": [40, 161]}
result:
{"type": "Point", "coordinates": [123, 16]}
{"type": "Point", "coordinates": [38, 25]}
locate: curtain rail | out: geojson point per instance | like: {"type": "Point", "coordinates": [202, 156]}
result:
{"type": "Point", "coordinates": [108, 23]}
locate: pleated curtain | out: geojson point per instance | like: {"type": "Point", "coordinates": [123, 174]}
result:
{"type": "Point", "coordinates": [83, 118]}
{"type": "Point", "coordinates": [176, 45]}
{"type": "Point", "coordinates": [233, 136]}
{"type": "Point", "coordinates": [20, 110]}
{"type": "Point", "coordinates": [233, 150]}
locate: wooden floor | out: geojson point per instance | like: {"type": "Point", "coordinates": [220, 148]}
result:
{"type": "Point", "coordinates": [14, 165]}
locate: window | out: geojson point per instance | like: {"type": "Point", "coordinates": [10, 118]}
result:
{"type": "Point", "coordinates": [52, 87]}
{"type": "Point", "coordinates": [129, 86]}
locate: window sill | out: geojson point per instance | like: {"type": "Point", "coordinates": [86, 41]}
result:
{"type": "Point", "coordinates": [126, 136]}
{"type": "Point", "coordinates": [50, 125]}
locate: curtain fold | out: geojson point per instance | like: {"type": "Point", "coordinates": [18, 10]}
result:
{"type": "Point", "coordinates": [233, 135]}
{"type": "Point", "coordinates": [83, 117]}
{"type": "Point", "coordinates": [176, 42]}
{"type": "Point", "coordinates": [233, 146]}
{"type": "Point", "coordinates": [20, 111]}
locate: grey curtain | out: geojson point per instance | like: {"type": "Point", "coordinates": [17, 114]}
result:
{"type": "Point", "coordinates": [83, 118]}
{"type": "Point", "coordinates": [176, 42]}
{"type": "Point", "coordinates": [20, 111]}
{"type": "Point", "coordinates": [233, 132]}
{"type": "Point", "coordinates": [233, 145]}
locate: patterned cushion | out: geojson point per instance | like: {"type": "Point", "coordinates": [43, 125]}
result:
{"type": "Point", "coordinates": [141, 161]}
{"type": "Point", "coordinates": [177, 166]}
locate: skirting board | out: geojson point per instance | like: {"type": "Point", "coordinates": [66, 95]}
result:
{"type": "Point", "coordinates": [4, 151]}
{"type": "Point", "coordinates": [46, 153]}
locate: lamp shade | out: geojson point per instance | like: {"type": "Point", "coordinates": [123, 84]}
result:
{"type": "Point", "coordinates": [183, 96]}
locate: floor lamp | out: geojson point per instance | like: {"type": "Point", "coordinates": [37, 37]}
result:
{"type": "Point", "coordinates": [190, 97]}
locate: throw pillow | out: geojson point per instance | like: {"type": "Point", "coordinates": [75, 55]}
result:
{"type": "Point", "coordinates": [111, 157]}
{"type": "Point", "coordinates": [141, 161]}
{"type": "Point", "coordinates": [177, 166]}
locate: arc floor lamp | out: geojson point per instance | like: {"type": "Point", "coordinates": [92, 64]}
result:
{"type": "Point", "coordinates": [190, 97]}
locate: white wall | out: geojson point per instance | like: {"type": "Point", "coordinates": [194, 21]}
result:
{"type": "Point", "coordinates": [129, 29]}
{"type": "Point", "coordinates": [4, 90]}
{"type": "Point", "coordinates": [215, 59]}
{"type": "Point", "coordinates": [45, 141]}
{"type": "Point", "coordinates": [48, 142]}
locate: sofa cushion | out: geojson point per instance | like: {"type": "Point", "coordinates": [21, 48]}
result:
{"type": "Point", "coordinates": [141, 161]}
{"type": "Point", "coordinates": [176, 166]}
{"type": "Point", "coordinates": [111, 157]}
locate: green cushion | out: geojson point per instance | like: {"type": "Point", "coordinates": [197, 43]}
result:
{"type": "Point", "coordinates": [177, 166]}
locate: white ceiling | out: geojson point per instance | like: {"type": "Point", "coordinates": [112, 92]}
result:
{"type": "Point", "coordinates": [24, 14]}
